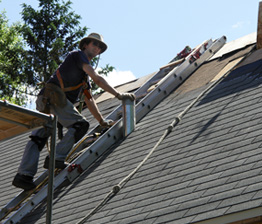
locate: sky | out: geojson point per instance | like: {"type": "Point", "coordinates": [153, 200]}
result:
{"type": "Point", "coordinates": [143, 35]}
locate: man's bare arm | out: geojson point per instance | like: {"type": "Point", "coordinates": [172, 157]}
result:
{"type": "Point", "coordinates": [92, 106]}
{"type": "Point", "coordinates": [99, 80]}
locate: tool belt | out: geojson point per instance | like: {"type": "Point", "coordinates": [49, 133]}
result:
{"type": "Point", "coordinates": [53, 95]}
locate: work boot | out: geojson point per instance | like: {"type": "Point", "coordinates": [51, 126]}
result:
{"type": "Point", "coordinates": [58, 164]}
{"type": "Point", "coordinates": [24, 182]}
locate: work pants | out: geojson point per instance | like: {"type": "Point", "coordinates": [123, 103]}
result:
{"type": "Point", "coordinates": [67, 116]}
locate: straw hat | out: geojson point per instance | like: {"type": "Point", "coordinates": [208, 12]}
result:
{"type": "Point", "coordinates": [93, 36]}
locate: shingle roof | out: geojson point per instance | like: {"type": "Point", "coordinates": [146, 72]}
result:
{"type": "Point", "coordinates": [209, 167]}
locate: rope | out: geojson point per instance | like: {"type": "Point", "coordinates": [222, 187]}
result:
{"type": "Point", "coordinates": [168, 130]}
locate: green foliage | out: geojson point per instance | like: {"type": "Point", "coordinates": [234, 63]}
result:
{"type": "Point", "coordinates": [12, 76]}
{"type": "Point", "coordinates": [50, 32]}
{"type": "Point", "coordinates": [102, 71]}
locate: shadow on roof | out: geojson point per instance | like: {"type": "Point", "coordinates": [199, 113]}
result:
{"type": "Point", "coordinates": [240, 79]}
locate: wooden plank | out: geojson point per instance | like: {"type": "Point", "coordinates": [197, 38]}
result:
{"type": "Point", "coordinates": [227, 68]}
{"type": "Point", "coordinates": [13, 122]}
{"type": "Point", "coordinates": [173, 63]}
{"type": "Point", "coordinates": [8, 130]}
{"type": "Point", "coordinates": [259, 27]}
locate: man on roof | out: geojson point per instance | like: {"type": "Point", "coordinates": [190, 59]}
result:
{"type": "Point", "coordinates": [58, 97]}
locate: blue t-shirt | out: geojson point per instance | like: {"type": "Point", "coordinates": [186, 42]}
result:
{"type": "Point", "coordinates": [72, 73]}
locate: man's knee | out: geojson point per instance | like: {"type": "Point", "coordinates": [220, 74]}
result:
{"type": "Point", "coordinates": [40, 142]}
{"type": "Point", "coordinates": [81, 129]}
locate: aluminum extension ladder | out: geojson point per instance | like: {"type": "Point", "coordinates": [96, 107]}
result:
{"type": "Point", "coordinates": [169, 81]}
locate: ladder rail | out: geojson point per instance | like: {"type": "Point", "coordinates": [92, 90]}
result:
{"type": "Point", "coordinates": [20, 196]}
{"type": "Point", "coordinates": [174, 78]}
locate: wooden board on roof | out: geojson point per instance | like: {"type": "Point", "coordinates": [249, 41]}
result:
{"type": "Point", "coordinates": [15, 120]}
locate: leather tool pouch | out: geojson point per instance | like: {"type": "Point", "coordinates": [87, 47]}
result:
{"type": "Point", "coordinates": [53, 95]}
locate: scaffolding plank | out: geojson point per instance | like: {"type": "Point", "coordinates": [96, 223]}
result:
{"type": "Point", "coordinates": [15, 120]}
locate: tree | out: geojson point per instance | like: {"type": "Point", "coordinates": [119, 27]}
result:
{"type": "Point", "coordinates": [102, 71]}
{"type": "Point", "coordinates": [12, 63]}
{"type": "Point", "coordinates": [50, 32]}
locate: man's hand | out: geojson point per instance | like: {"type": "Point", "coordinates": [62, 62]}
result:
{"type": "Point", "coordinates": [106, 123]}
{"type": "Point", "coordinates": [124, 96]}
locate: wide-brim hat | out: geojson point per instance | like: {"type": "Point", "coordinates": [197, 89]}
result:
{"type": "Point", "coordinates": [94, 36]}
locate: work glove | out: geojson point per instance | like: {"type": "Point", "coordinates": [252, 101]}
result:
{"type": "Point", "coordinates": [106, 123]}
{"type": "Point", "coordinates": [124, 96]}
